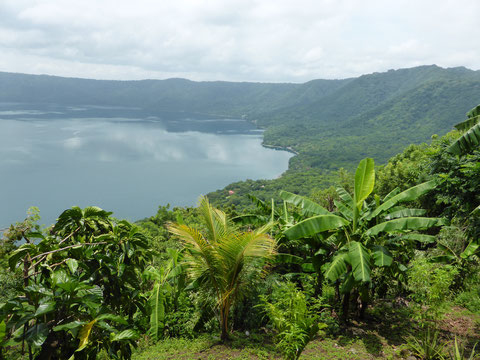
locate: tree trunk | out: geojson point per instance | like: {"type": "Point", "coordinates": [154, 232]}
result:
{"type": "Point", "coordinates": [224, 323]}
{"type": "Point", "coordinates": [319, 284]}
{"type": "Point", "coordinates": [345, 307]}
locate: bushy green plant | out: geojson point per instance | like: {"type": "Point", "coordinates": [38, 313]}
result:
{"type": "Point", "coordinates": [292, 319]}
{"type": "Point", "coordinates": [469, 299]}
{"type": "Point", "coordinates": [429, 284]}
{"type": "Point", "coordinates": [81, 288]}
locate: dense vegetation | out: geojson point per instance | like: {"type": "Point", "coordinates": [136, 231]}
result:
{"type": "Point", "coordinates": [399, 241]}
{"type": "Point", "coordinates": [383, 255]}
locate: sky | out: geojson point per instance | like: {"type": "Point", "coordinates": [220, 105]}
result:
{"type": "Point", "coordinates": [235, 40]}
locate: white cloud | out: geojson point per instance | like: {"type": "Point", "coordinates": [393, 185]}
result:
{"type": "Point", "coordinates": [256, 40]}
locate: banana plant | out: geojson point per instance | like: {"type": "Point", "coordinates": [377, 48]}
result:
{"type": "Point", "coordinates": [294, 255]}
{"type": "Point", "coordinates": [167, 283]}
{"type": "Point", "coordinates": [363, 234]}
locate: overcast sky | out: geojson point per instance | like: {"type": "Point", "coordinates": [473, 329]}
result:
{"type": "Point", "coordinates": [242, 40]}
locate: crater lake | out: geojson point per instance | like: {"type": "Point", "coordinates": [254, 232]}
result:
{"type": "Point", "coordinates": [123, 160]}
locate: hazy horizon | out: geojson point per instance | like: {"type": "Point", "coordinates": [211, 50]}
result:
{"type": "Point", "coordinates": [239, 81]}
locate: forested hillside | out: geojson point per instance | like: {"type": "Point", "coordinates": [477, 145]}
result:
{"type": "Point", "coordinates": [331, 123]}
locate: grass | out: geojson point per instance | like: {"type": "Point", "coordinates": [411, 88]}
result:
{"type": "Point", "coordinates": [382, 336]}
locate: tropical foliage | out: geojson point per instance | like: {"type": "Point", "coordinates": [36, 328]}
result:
{"type": "Point", "coordinates": [81, 288]}
{"type": "Point", "coordinates": [223, 259]}
{"type": "Point", "coordinates": [365, 234]}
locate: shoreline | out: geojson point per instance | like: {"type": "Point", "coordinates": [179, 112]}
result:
{"type": "Point", "coordinates": [281, 148]}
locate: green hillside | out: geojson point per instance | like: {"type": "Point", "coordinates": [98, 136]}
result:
{"type": "Point", "coordinates": [331, 123]}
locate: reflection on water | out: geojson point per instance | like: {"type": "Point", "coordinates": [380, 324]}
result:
{"type": "Point", "coordinates": [123, 164]}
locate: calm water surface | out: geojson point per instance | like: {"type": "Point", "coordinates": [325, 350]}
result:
{"type": "Point", "coordinates": [123, 160]}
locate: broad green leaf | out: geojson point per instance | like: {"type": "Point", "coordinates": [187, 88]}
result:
{"type": "Point", "coordinates": [72, 265]}
{"type": "Point", "coordinates": [420, 238]}
{"type": "Point", "coordinates": [381, 256]}
{"type": "Point", "coordinates": [348, 284]}
{"type": "Point", "coordinates": [474, 112]}
{"type": "Point", "coordinates": [344, 209]}
{"type": "Point", "coordinates": [337, 267]}
{"type": "Point", "coordinates": [288, 259]}
{"type": "Point", "coordinates": [466, 142]}
{"type": "Point", "coordinates": [84, 334]}
{"type": "Point", "coordinates": [45, 308]}
{"type": "Point", "coordinates": [346, 197]}
{"type": "Point", "coordinates": [260, 204]}
{"type": "Point", "coordinates": [472, 119]}
{"type": "Point", "coordinates": [95, 291]}
{"type": "Point", "coordinates": [304, 203]}
{"type": "Point", "coordinates": [69, 326]}
{"type": "Point", "coordinates": [467, 124]}
{"type": "Point", "coordinates": [364, 181]}
{"type": "Point", "coordinates": [37, 334]}
{"type": "Point", "coordinates": [38, 289]}
{"type": "Point", "coordinates": [405, 213]}
{"type": "Point", "coordinates": [157, 316]}
{"type": "Point", "coordinates": [124, 335]}
{"type": "Point", "coordinates": [18, 254]}
{"type": "Point", "coordinates": [408, 195]}
{"type": "Point", "coordinates": [470, 249]}
{"type": "Point", "coordinates": [116, 318]}
{"type": "Point", "coordinates": [391, 194]}
{"type": "Point", "coordinates": [3, 331]}
{"type": "Point", "coordinates": [403, 224]}
{"type": "Point", "coordinates": [60, 276]}
{"type": "Point", "coordinates": [360, 261]}
{"type": "Point", "coordinates": [314, 225]}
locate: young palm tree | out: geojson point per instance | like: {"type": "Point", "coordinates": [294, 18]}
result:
{"type": "Point", "coordinates": [222, 259]}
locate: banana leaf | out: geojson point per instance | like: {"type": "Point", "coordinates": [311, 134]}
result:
{"type": "Point", "coordinates": [360, 261]}
{"type": "Point", "coordinates": [470, 249]}
{"type": "Point", "coordinates": [337, 267]}
{"type": "Point", "coordinates": [405, 213]}
{"type": "Point", "coordinates": [420, 238]}
{"type": "Point", "coordinates": [408, 195]}
{"type": "Point", "coordinates": [381, 256]}
{"type": "Point", "coordinates": [304, 203]}
{"type": "Point", "coordinates": [314, 225]}
{"type": "Point", "coordinates": [364, 181]}
{"type": "Point", "coordinates": [345, 196]}
{"type": "Point", "coordinates": [402, 224]}
{"type": "Point", "coordinates": [346, 211]}
{"type": "Point", "coordinates": [466, 142]}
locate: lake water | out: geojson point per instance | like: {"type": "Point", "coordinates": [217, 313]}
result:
{"type": "Point", "coordinates": [124, 160]}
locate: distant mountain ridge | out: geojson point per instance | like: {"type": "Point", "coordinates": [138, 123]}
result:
{"type": "Point", "coordinates": [331, 123]}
